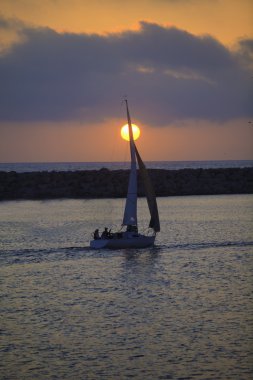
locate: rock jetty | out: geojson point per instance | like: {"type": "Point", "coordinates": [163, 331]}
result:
{"type": "Point", "coordinates": [106, 183]}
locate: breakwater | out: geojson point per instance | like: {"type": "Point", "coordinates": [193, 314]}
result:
{"type": "Point", "coordinates": [106, 183]}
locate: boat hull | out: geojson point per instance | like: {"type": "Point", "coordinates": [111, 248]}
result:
{"type": "Point", "coordinates": [140, 241]}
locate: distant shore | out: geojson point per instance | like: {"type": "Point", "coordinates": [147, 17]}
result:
{"type": "Point", "coordinates": [106, 183]}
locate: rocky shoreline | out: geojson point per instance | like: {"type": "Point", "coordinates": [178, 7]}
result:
{"type": "Point", "coordinates": [106, 183]}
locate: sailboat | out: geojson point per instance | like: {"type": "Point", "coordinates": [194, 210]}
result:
{"type": "Point", "coordinates": [129, 236]}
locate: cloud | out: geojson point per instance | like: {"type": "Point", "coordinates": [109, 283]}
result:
{"type": "Point", "coordinates": [168, 74]}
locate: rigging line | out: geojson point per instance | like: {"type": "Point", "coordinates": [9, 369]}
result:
{"type": "Point", "coordinates": [112, 208]}
{"type": "Point", "coordinates": [110, 203]}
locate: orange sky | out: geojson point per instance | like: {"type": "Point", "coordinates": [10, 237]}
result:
{"type": "Point", "coordinates": [226, 20]}
{"type": "Point", "coordinates": [80, 140]}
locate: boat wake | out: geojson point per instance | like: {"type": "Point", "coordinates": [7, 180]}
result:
{"type": "Point", "coordinates": [22, 256]}
{"type": "Point", "coordinates": [197, 246]}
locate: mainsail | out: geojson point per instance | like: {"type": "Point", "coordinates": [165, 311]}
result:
{"type": "Point", "coordinates": [150, 194]}
{"type": "Point", "coordinates": [130, 214]}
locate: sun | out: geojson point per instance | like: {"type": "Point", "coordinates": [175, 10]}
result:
{"type": "Point", "coordinates": [125, 135]}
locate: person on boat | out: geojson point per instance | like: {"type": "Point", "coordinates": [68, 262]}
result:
{"type": "Point", "coordinates": [96, 234]}
{"type": "Point", "coordinates": [105, 234]}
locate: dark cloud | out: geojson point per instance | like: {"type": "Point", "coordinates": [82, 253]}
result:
{"type": "Point", "coordinates": [168, 74]}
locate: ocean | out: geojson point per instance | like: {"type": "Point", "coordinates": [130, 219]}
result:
{"type": "Point", "coordinates": [72, 166]}
{"type": "Point", "coordinates": [179, 310]}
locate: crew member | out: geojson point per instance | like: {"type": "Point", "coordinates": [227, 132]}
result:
{"type": "Point", "coordinates": [96, 234]}
{"type": "Point", "coordinates": [105, 233]}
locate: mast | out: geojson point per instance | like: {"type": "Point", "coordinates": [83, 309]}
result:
{"type": "Point", "coordinates": [130, 214]}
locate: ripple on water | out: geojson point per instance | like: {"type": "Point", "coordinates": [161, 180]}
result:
{"type": "Point", "coordinates": [180, 310]}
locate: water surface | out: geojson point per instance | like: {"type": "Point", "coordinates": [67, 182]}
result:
{"type": "Point", "coordinates": [180, 310]}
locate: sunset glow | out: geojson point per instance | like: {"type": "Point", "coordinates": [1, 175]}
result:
{"type": "Point", "coordinates": [179, 73]}
{"type": "Point", "coordinates": [125, 134]}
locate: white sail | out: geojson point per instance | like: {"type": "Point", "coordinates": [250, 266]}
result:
{"type": "Point", "coordinates": [130, 214]}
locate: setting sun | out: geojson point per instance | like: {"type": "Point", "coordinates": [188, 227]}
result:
{"type": "Point", "coordinates": [125, 135]}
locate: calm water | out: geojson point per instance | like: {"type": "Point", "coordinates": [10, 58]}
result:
{"type": "Point", "coordinates": [180, 310]}
{"type": "Point", "coordinates": [72, 166]}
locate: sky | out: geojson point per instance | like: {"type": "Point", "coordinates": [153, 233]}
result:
{"type": "Point", "coordinates": [186, 67]}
